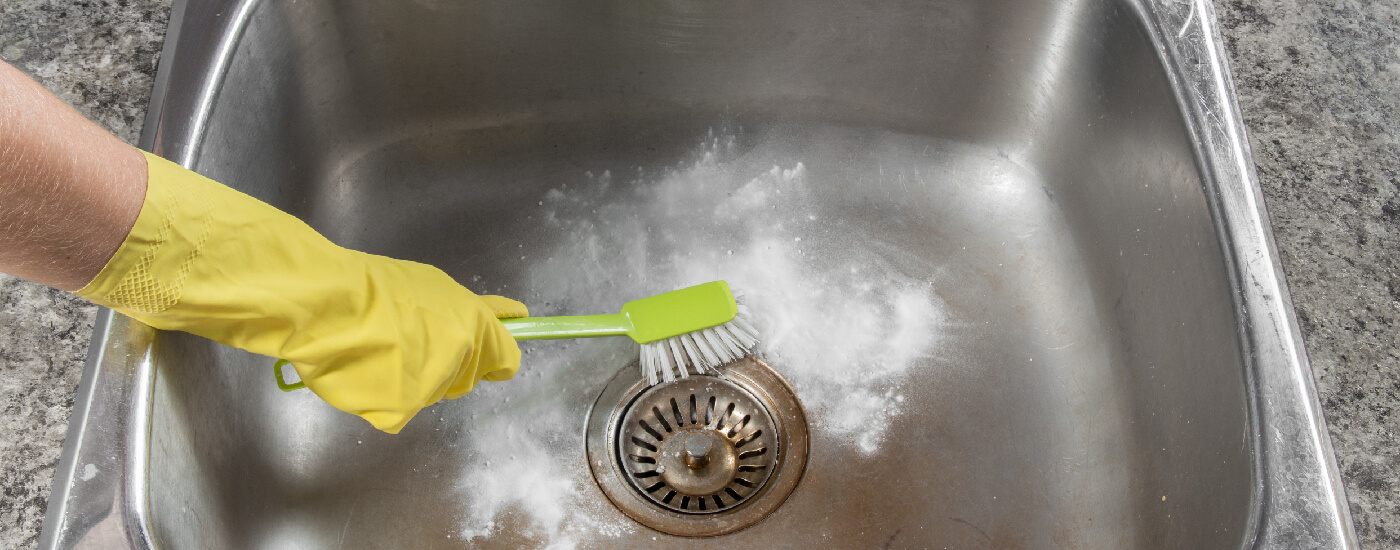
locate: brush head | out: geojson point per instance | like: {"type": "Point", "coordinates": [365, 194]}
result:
{"type": "Point", "coordinates": [680, 311]}
{"type": "Point", "coordinates": [705, 349]}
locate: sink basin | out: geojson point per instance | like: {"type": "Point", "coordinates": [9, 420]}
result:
{"type": "Point", "coordinates": [1010, 256]}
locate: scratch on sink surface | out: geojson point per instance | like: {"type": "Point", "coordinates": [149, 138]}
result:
{"type": "Point", "coordinates": [974, 527]}
{"type": "Point", "coordinates": [343, 528]}
{"type": "Point", "coordinates": [1064, 346]}
{"type": "Point", "coordinates": [891, 539]}
{"type": "Point", "coordinates": [1187, 23]}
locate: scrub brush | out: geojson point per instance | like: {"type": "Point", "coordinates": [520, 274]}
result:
{"type": "Point", "coordinates": [702, 326]}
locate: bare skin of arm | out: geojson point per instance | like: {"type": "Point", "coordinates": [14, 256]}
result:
{"type": "Point", "coordinates": [69, 190]}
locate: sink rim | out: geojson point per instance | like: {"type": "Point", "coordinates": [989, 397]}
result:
{"type": "Point", "coordinates": [110, 423]}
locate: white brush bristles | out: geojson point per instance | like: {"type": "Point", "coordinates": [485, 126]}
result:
{"type": "Point", "coordinates": [672, 358]}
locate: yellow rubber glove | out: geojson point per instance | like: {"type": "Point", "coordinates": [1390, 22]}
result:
{"type": "Point", "coordinates": [373, 336]}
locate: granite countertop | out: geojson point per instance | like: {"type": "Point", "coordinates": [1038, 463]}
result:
{"type": "Point", "coordinates": [1318, 82]}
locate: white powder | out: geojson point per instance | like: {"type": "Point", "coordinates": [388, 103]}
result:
{"type": "Point", "coordinates": [839, 321]}
{"type": "Point", "coordinates": [522, 472]}
{"type": "Point", "coordinates": [527, 453]}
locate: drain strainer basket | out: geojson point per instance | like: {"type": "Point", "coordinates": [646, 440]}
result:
{"type": "Point", "coordinates": [700, 456]}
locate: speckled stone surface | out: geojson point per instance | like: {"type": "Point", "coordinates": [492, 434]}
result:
{"type": "Point", "coordinates": [101, 58]}
{"type": "Point", "coordinates": [1318, 82]}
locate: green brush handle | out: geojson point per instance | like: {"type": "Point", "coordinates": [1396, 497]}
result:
{"type": "Point", "coordinates": [559, 328]}
{"type": "Point", "coordinates": [529, 328]}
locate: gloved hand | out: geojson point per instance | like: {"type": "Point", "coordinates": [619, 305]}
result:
{"type": "Point", "coordinates": [373, 336]}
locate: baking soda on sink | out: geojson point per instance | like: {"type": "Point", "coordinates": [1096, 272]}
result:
{"type": "Point", "coordinates": [838, 319]}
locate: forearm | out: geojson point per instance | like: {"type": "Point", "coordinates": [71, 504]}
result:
{"type": "Point", "coordinates": [69, 190]}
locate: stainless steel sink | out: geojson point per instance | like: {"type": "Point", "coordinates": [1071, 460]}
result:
{"type": "Point", "coordinates": [1011, 256]}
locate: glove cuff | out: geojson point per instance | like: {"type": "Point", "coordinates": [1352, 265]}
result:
{"type": "Point", "coordinates": [147, 273]}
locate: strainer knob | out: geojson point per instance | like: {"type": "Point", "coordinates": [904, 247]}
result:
{"type": "Point", "coordinates": [697, 450]}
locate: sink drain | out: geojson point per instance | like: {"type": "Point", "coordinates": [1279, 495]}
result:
{"type": "Point", "coordinates": [697, 445]}
{"type": "Point", "coordinates": [699, 456]}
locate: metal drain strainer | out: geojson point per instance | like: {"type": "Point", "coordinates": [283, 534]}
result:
{"type": "Point", "coordinates": [702, 455]}
{"type": "Point", "coordinates": [698, 445]}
